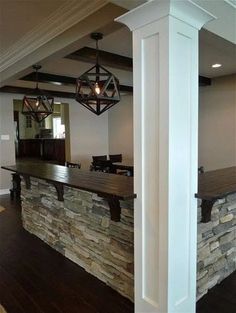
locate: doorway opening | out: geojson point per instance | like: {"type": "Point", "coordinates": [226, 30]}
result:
{"type": "Point", "coordinates": [47, 141]}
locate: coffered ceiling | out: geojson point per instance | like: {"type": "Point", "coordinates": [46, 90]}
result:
{"type": "Point", "coordinates": [18, 17]}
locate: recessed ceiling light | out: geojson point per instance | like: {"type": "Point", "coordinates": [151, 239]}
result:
{"type": "Point", "coordinates": [216, 65]}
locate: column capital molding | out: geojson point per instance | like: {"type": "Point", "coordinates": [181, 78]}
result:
{"type": "Point", "coordinates": [185, 10]}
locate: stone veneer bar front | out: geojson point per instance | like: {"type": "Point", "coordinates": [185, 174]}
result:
{"type": "Point", "coordinates": [80, 228]}
{"type": "Point", "coordinates": [216, 245]}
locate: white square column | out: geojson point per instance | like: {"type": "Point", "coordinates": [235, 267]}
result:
{"type": "Point", "coordinates": [165, 63]}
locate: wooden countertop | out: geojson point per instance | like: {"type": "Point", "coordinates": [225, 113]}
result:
{"type": "Point", "coordinates": [28, 139]}
{"type": "Point", "coordinates": [113, 185]}
{"type": "Point", "coordinates": [216, 184]}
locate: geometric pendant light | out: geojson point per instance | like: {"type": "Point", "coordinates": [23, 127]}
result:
{"type": "Point", "coordinates": [37, 104]}
{"type": "Point", "coordinates": [97, 89]}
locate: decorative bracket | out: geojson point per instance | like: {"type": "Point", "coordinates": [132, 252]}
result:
{"type": "Point", "coordinates": [27, 181]}
{"type": "Point", "coordinates": [206, 207]}
{"type": "Point", "coordinates": [115, 209]}
{"type": "Point", "coordinates": [113, 201]}
{"type": "Point", "coordinates": [114, 205]}
{"type": "Point", "coordinates": [60, 191]}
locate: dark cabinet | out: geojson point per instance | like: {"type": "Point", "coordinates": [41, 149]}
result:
{"type": "Point", "coordinates": [54, 149]}
{"type": "Point", "coordinates": [29, 148]}
{"type": "Point", "coordinates": [45, 149]}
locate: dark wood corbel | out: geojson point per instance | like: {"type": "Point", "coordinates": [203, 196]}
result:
{"type": "Point", "coordinates": [114, 205]}
{"type": "Point", "coordinates": [27, 181]}
{"type": "Point", "coordinates": [115, 209]}
{"type": "Point", "coordinates": [206, 207]}
{"type": "Point", "coordinates": [60, 190]}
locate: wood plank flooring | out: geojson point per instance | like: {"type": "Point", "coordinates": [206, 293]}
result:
{"type": "Point", "coordinates": [221, 298]}
{"type": "Point", "coordinates": [36, 279]}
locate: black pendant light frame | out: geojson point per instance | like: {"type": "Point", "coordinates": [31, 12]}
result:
{"type": "Point", "coordinates": [38, 104]}
{"type": "Point", "coordinates": [97, 89]}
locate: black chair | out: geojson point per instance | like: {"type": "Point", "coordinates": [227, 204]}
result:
{"type": "Point", "coordinates": [99, 158]}
{"type": "Point", "coordinates": [115, 158]}
{"type": "Point", "coordinates": [100, 164]}
{"type": "Point", "coordinates": [73, 165]}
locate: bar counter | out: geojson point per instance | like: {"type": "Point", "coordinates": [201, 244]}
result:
{"type": "Point", "coordinates": [86, 216]}
{"type": "Point", "coordinates": [109, 186]}
{"type": "Point", "coordinates": [216, 242]}
{"type": "Point", "coordinates": [215, 185]}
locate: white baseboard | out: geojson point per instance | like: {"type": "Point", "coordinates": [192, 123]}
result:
{"type": "Point", "coordinates": [4, 192]}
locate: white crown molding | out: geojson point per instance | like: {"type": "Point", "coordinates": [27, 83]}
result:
{"type": "Point", "coordinates": [4, 192]}
{"type": "Point", "coordinates": [153, 10]}
{"type": "Point", "coordinates": [231, 2]}
{"type": "Point", "coordinates": [66, 16]}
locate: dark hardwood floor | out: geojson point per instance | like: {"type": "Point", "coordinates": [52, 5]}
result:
{"type": "Point", "coordinates": [221, 298]}
{"type": "Point", "coordinates": [36, 279]}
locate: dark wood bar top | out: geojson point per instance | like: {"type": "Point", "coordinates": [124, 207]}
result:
{"type": "Point", "coordinates": [101, 183]}
{"type": "Point", "coordinates": [216, 184]}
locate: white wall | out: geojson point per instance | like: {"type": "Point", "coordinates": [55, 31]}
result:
{"type": "Point", "coordinates": [112, 132]}
{"type": "Point", "coordinates": [7, 147]}
{"type": "Point", "coordinates": [120, 128]}
{"type": "Point", "coordinates": [25, 133]}
{"type": "Point", "coordinates": [88, 133]}
{"type": "Point", "coordinates": [217, 123]}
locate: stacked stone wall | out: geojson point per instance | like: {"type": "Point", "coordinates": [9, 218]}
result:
{"type": "Point", "coordinates": [80, 228]}
{"type": "Point", "coordinates": [216, 246]}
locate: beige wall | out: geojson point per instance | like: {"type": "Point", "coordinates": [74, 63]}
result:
{"type": "Point", "coordinates": [112, 132]}
{"type": "Point", "coordinates": [88, 133]}
{"type": "Point", "coordinates": [120, 128]}
{"type": "Point", "coordinates": [25, 133]}
{"type": "Point", "coordinates": [7, 147]}
{"type": "Point", "coordinates": [217, 123]}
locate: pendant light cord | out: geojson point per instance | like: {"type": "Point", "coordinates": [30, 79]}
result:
{"type": "Point", "coordinates": [37, 82]}
{"type": "Point", "coordinates": [97, 52]}
{"type": "Point", "coordinates": [97, 65]}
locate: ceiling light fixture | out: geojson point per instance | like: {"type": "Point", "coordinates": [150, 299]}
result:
{"type": "Point", "coordinates": [97, 89]}
{"type": "Point", "coordinates": [37, 104]}
{"type": "Point", "coordinates": [216, 65]}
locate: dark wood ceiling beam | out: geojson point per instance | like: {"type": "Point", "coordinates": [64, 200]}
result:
{"type": "Point", "coordinates": [59, 94]}
{"type": "Point", "coordinates": [66, 80]}
{"type": "Point", "coordinates": [204, 81]}
{"type": "Point", "coordinates": [62, 80]}
{"type": "Point", "coordinates": [50, 79]}
{"type": "Point", "coordinates": [88, 55]}
{"type": "Point", "coordinates": [23, 90]}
